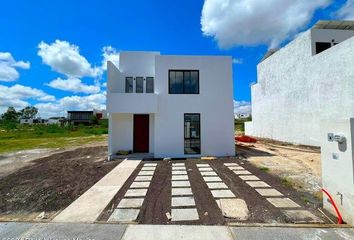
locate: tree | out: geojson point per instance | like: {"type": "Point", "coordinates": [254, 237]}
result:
{"type": "Point", "coordinates": [28, 112]}
{"type": "Point", "coordinates": [10, 115]}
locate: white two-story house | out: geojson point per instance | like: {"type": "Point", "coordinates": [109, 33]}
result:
{"type": "Point", "coordinates": [171, 106]}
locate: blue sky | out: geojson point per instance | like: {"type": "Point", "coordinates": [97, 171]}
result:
{"type": "Point", "coordinates": [243, 30]}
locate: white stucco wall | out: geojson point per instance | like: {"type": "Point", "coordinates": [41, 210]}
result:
{"type": "Point", "coordinates": [214, 103]}
{"type": "Point", "coordinates": [338, 167]}
{"type": "Point", "coordinates": [296, 90]}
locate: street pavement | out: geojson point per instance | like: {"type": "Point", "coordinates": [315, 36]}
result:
{"type": "Point", "coordinates": [82, 231]}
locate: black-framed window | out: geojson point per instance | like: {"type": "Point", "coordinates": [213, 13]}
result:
{"type": "Point", "coordinates": [129, 84]}
{"type": "Point", "coordinates": [139, 81]}
{"type": "Point", "coordinates": [183, 81]}
{"type": "Point", "coordinates": [191, 133]}
{"type": "Point", "coordinates": [149, 85]}
{"type": "Point", "coordinates": [322, 46]}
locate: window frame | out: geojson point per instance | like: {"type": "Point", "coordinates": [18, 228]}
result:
{"type": "Point", "coordinates": [146, 84]}
{"type": "Point", "coordinates": [183, 85]}
{"type": "Point", "coordinates": [190, 138]}
{"type": "Point", "coordinates": [136, 84]}
{"type": "Point", "coordinates": [126, 85]}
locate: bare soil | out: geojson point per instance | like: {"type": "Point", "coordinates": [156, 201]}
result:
{"type": "Point", "coordinates": [51, 183]}
{"type": "Point", "coordinates": [299, 165]}
{"type": "Point", "coordinates": [158, 199]}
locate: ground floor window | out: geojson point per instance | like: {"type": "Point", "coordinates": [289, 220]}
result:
{"type": "Point", "coordinates": [191, 133]}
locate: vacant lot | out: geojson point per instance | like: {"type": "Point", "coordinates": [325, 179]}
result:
{"type": "Point", "coordinates": [297, 166]}
{"type": "Point", "coordinates": [51, 183]}
{"type": "Point", "coordinates": [22, 137]}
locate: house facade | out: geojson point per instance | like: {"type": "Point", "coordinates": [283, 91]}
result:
{"type": "Point", "coordinates": [309, 80]}
{"type": "Point", "coordinates": [171, 106]}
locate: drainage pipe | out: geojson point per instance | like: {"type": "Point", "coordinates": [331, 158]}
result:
{"type": "Point", "coordinates": [339, 216]}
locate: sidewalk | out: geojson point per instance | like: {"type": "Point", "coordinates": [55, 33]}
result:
{"type": "Point", "coordinates": [80, 231]}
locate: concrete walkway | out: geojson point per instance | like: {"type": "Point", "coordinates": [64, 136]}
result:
{"type": "Point", "coordinates": [58, 231]}
{"type": "Point", "coordinates": [89, 206]}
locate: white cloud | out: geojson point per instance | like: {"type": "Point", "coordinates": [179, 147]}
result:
{"type": "Point", "coordinates": [237, 60]}
{"type": "Point", "coordinates": [65, 58]}
{"type": "Point", "coordinates": [253, 22]}
{"type": "Point", "coordinates": [17, 95]}
{"type": "Point", "coordinates": [59, 108]}
{"type": "Point", "coordinates": [109, 54]}
{"type": "Point", "coordinates": [8, 65]}
{"type": "Point", "coordinates": [242, 107]}
{"type": "Point", "coordinates": [73, 85]}
{"type": "Point", "coordinates": [347, 10]}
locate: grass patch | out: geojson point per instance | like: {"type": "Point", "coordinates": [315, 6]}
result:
{"type": "Point", "coordinates": [264, 169]}
{"type": "Point", "coordinates": [240, 125]}
{"type": "Point", "coordinates": [287, 183]}
{"type": "Point", "coordinates": [21, 137]}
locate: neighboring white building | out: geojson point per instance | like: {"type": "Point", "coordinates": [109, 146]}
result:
{"type": "Point", "coordinates": [171, 106]}
{"type": "Point", "coordinates": [310, 79]}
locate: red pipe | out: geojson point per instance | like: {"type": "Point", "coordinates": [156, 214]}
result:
{"type": "Point", "coordinates": [340, 220]}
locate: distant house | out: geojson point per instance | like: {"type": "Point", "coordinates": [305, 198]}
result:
{"type": "Point", "coordinates": [56, 120]}
{"type": "Point", "coordinates": [100, 114]}
{"type": "Point", "coordinates": [31, 121]}
{"type": "Point", "coordinates": [244, 115]}
{"type": "Point", "coordinates": [28, 121]}
{"type": "Point", "coordinates": [80, 117]}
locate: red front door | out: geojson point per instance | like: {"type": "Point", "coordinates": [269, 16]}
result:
{"type": "Point", "coordinates": [141, 133]}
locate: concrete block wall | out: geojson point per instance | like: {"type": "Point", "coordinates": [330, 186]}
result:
{"type": "Point", "coordinates": [296, 90]}
{"type": "Point", "coordinates": [337, 161]}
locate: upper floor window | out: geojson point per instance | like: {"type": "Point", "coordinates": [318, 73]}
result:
{"type": "Point", "coordinates": [183, 82]}
{"type": "Point", "coordinates": [139, 88]}
{"type": "Point", "coordinates": [149, 85]}
{"type": "Point", "coordinates": [129, 84]}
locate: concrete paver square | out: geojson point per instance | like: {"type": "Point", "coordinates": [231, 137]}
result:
{"type": "Point", "coordinates": [181, 191]}
{"type": "Point", "coordinates": [148, 168]}
{"type": "Point", "coordinates": [150, 164]}
{"type": "Point", "coordinates": [187, 214]}
{"type": "Point", "coordinates": [179, 172]}
{"type": "Point", "coordinates": [248, 177]}
{"type": "Point", "coordinates": [208, 173]}
{"type": "Point", "coordinates": [178, 168]}
{"type": "Point", "coordinates": [234, 208]}
{"type": "Point", "coordinates": [131, 203]}
{"type": "Point", "coordinates": [222, 194]}
{"type": "Point", "coordinates": [283, 203]}
{"type": "Point", "coordinates": [182, 202]}
{"type": "Point", "coordinates": [185, 232]}
{"type": "Point", "coordinates": [181, 184]}
{"type": "Point", "coordinates": [179, 177]}
{"type": "Point", "coordinates": [207, 169]}
{"type": "Point", "coordinates": [230, 164]}
{"type": "Point", "coordinates": [140, 185]}
{"type": "Point", "coordinates": [143, 178]}
{"type": "Point", "coordinates": [268, 192]}
{"type": "Point", "coordinates": [136, 192]}
{"type": "Point", "coordinates": [146, 173]}
{"type": "Point", "coordinates": [241, 172]}
{"type": "Point", "coordinates": [202, 165]}
{"type": "Point", "coordinates": [212, 179]}
{"type": "Point", "coordinates": [178, 164]}
{"type": "Point", "coordinates": [124, 215]}
{"type": "Point", "coordinates": [257, 184]}
{"type": "Point", "coordinates": [236, 168]}
{"type": "Point", "coordinates": [216, 185]}
{"type": "Point", "coordinates": [301, 216]}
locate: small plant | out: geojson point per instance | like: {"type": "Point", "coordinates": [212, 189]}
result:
{"type": "Point", "coordinates": [286, 182]}
{"type": "Point", "coordinates": [264, 169]}
{"type": "Point", "coordinates": [306, 200]}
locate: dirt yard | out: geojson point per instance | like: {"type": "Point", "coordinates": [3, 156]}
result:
{"type": "Point", "coordinates": [51, 183]}
{"type": "Point", "coordinates": [297, 166]}
{"type": "Point", "coordinates": [158, 198]}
